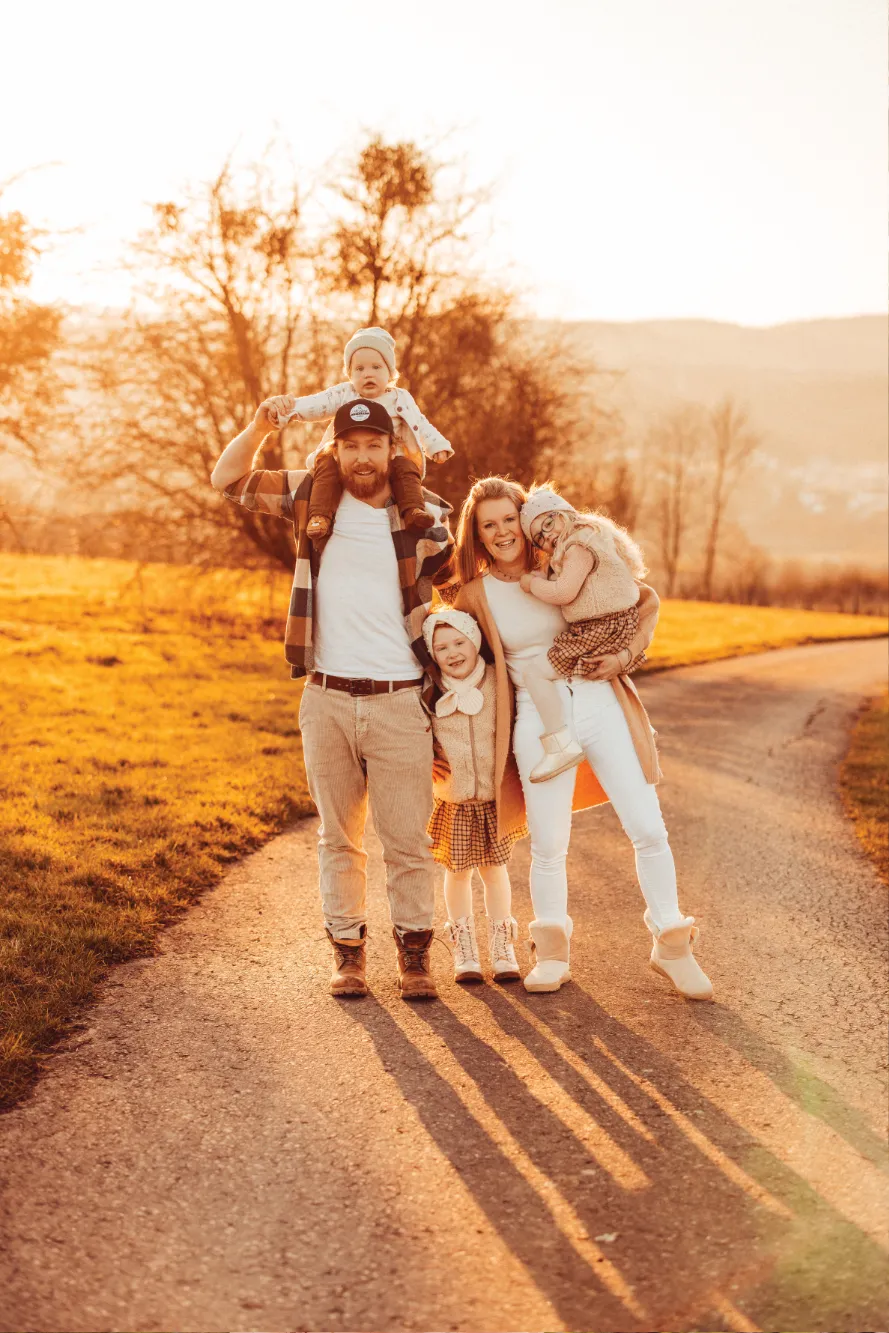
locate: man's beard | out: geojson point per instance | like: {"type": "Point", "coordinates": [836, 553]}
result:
{"type": "Point", "coordinates": [365, 487]}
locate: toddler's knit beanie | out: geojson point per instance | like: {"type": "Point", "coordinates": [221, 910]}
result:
{"type": "Point", "coordinates": [378, 340]}
{"type": "Point", "coordinates": [542, 502]}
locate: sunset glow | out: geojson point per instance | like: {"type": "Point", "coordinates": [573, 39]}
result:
{"type": "Point", "coordinates": [649, 160]}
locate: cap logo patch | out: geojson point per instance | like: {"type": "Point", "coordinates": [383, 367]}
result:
{"type": "Point", "coordinates": [360, 412]}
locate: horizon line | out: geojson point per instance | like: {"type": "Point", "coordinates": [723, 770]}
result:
{"type": "Point", "coordinates": [88, 307]}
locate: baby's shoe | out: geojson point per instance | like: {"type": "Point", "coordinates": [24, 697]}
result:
{"type": "Point", "coordinates": [550, 954]}
{"type": "Point", "coordinates": [560, 752]}
{"type": "Point", "coordinates": [417, 518]}
{"type": "Point", "coordinates": [502, 936]}
{"type": "Point", "coordinates": [461, 934]}
{"type": "Point", "coordinates": [319, 527]}
{"type": "Point", "coordinates": [672, 955]}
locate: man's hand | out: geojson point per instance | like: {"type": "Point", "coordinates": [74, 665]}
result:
{"type": "Point", "coordinates": [441, 769]}
{"type": "Point", "coordinates": [272, 412]}
{"type": "Point", "coordinates": [264, 420]}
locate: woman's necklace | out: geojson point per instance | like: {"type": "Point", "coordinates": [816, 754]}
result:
{"type": "Point", "coordinates": [506, 578]}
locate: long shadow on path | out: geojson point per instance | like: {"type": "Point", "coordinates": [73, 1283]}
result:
{"type": "Point", "coordinates": [718, 1220]}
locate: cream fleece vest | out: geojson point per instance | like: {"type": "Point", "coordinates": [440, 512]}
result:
{"type": "Point", "coordinates": [608, 587]}
{"type": "Point", "coordinates": [468, 746]}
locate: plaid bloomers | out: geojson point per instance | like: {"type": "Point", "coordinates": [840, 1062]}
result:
{"type": "Point", "coordinates": [464, 835]}
{"type": "Point", "coordinates": [576, 650]}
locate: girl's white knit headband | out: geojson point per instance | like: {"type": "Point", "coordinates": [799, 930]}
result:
{"type": "Point", "coordinates": [461, 621]}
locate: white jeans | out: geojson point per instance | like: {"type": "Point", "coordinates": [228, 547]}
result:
{"type": "Point", "coordinates": [597, 721]}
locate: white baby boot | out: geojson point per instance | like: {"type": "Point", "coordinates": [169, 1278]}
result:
{"type": "Point", "coordinates": [672, 955]}
{"type": "Point", "coordinates": [550, 947]}
{"type": "Point", "coordinates": [560, 752]}
{"type": "Point", "coordinates": [461, 934]}
{"type": "Point", "coordinates": [502, 936]}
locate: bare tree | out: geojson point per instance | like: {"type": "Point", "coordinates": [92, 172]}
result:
{"type": "Point", "coordinates": [240, 298]}
{"type": "Point", "coordinates": [383, 244]}
{"type": "Point", "coordinates": [673, 458]}
{"type": "Point", "coordinates": [226, 316]}
{"type": "Point", "coordinates": [612, 484]}
{"type": "Point", "coordinates": [30, 336]}
{"type": "Point", "coordinates": [730, 443]}
{"type": "Point", "coordinates": [401, 253]}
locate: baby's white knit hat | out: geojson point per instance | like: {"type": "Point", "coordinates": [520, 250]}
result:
{"type": "Point", "coordinates": [461, 621]}
{"type": "Point", "coordinates": [541, 502]}
{"type": "Point", "coordinates": [378, 340]}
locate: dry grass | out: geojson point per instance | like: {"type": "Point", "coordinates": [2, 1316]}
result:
{"type": "Point", "coordinates": [150, 734]}
{"type": "Point", "coordinates": [704, 631]}
{"type": "Point", "coordinates": [865, 782]}
{"type": "Point", "coordinates": [148, 742]}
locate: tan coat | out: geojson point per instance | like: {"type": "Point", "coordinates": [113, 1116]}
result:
{"type": "Point", "coordinates": [588, 790]}
{"type": "Point", "coordinates": [467, 743]}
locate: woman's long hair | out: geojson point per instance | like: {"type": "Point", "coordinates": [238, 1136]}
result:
{"type": "Point", "coordinates": [471, 558]}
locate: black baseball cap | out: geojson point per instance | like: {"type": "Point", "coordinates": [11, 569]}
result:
{"type": "Point", "coordinates": [362, 414]}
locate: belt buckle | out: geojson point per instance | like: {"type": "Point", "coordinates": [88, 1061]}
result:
{"type": "Point", "coordinates": [364, 685]}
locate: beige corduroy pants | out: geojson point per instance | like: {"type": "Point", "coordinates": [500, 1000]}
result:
{"type": "Point", "coordinates": [376, 747]}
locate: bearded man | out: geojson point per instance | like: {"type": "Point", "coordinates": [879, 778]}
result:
{"type": "Point", "coordinates": [355, 630]}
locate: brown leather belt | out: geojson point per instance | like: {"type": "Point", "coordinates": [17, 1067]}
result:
{"type": "Point", "coordinates": [359, 685]}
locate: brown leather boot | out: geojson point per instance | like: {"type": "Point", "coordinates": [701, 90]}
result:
{"type": "Point", "coordinates": [349, 965]}
{"type": "Point", "coordinates": [417, 517]}
{"type": "Point", "coordinates": [414, 968]}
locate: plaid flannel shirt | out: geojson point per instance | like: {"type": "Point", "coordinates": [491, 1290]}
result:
{"type": "Point", "coordinates": [421, 552]}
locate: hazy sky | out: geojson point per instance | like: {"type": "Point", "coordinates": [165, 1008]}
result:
{"type": "Point", "coordinates": [653, 158]}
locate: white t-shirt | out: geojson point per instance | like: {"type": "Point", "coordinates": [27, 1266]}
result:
{"type": "Point", "coordinates": [359, 626]}
{"type": "Point", "coordinates": [526, 625]}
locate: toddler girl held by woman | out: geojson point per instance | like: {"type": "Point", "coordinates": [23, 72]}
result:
{"type": "Point", "coordinates": [369, 367]}
{"type": "Point", "coordinates": [463, 825]}
{"type": "Point", "coordinates": [594, 566]}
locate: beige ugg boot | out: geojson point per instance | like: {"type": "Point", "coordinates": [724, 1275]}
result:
{"type": "Point", "coordinates": [560, 752]}
{"type": "Point", "coordinates": [550, 954]}
{"type": "Point", "coordinates": [672, 955]}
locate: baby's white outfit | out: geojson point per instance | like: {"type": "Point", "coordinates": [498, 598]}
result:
{"type": "Point", "coordinates": [415, 435]}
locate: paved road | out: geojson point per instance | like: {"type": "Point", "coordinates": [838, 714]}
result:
{"type": "Point", "coordinates": [227, 1148]}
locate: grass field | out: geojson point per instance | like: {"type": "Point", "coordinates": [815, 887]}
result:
{"type": "Point", "coordinates": [865, 782]}
{"type": "Point", "coordinates": [704, 631]}
{"type": "Point", "coordinates": [150, 736]}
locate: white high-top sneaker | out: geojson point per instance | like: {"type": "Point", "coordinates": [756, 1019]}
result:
{"type": "Point", "coordinates": [560, 752]}
{"type": "Point", "coordinates": [550, 953]}
{"type": "Point", "coordinates": [672, 955]}
{"type": "Point", "coordinates": [502, 936]}
{"type": "Point", "coordinates": [461, 934]}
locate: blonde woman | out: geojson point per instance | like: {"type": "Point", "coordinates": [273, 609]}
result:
{"type": "Point", "coordinates": [607, 719]}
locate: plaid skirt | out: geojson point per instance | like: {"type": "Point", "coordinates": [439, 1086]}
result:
{"type": "Point", "coordinates": [577, 649]}
{"type": "Point", "coordinates": [464, 835]}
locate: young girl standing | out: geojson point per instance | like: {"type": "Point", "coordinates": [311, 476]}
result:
{"type": "Point", "coordinates": [463, 826]}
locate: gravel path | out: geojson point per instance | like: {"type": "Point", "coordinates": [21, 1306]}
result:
{"type": "Point", "coordinates": [225, 1147]}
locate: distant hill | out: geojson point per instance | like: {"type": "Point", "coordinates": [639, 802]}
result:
{"type": "Point", "coordinates": [817, 391]}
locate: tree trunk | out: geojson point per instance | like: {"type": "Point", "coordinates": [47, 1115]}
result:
{"type": "Point", "coordinates": [713, 530]}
